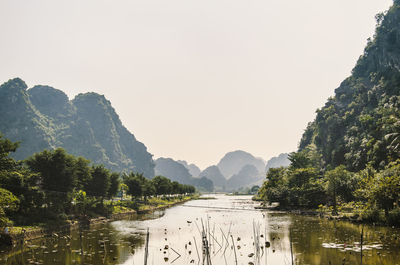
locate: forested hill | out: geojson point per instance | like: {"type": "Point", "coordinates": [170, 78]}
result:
{"type": "Point", "coordinates": [44, 118]}
{"type": "Point", "coordinates": [348, 162]}
{"type": "Point", "coordinates": [360, 125]}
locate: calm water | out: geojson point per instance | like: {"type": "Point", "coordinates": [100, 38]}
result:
{"type": "Point", "coordinates": [175, 233]}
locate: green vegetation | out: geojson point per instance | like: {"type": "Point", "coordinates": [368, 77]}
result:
{"type": "Point", "coordinates": [348, 158]}
{"type": "Point", "coordinates": [54, 186]}
{"type": "Point", "coordinates": [43, 117]}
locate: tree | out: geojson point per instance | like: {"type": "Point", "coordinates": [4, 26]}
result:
{"type": "Point", "coordinates": [339, 184]}
{"type": "Point", "coordinates": [134, 184]}
{"type": "Point", "coordinates": [6, 147]}
{"type": "Point", "coordinates": [385, 187]}
{"type": "Point", "coordinates": [162, 185]}
{"type": "Point", "coordinates": [254, 189]}
{"type": "Point", "coordinates": [175, 187]}
{"type": "Point", "coordinates": [299, 160]}
{"type": "Point", "coordinates": [114, 184]}
{"type": "Point", "coordinates": [57, 176]}
{"type": "Point", "coordinates": [8, 202]}
{"type": "Point", "coordinates": [123, 188]}
{"type": "Point", "coordinates": [82, 171]}
{"type": "Point", "coordinates": [275, 187]}
{"type": "Point", "coordinates": [304, 188]}
{"type": "Point", "coordinates": [56, 169]}
{"type": "Point", "coordinates": [148, 189]}
{"type": "Point", "coordinates": [100, 182]}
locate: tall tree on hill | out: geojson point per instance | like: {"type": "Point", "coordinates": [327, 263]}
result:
{"type": "Point", "coordinates": [6, 147]}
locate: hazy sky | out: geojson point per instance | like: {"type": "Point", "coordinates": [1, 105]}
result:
{"type": "Point", "coordinates": [193, 79]}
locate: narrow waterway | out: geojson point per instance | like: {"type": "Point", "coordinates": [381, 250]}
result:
{"type": "Point", "coordinates": [259, 237]}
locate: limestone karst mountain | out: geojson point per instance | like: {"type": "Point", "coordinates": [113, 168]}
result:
{"type": "Point", "coordinates": [234, 161]}
{"type": "Point", "coordinates": [213, 173]}
{"type": "Point", "coordinates": [176, 171]}
{"type": "Point", "coordinates": [193, 169]}
{"type": "Point", "coordinates": [44, 118]}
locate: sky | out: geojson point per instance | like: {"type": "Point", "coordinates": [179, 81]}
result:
{"type": "Point", "coordinates": [193, 79]}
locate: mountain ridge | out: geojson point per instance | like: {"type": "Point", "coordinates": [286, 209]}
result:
{"type": "Point", "coordinates": [44, 118]}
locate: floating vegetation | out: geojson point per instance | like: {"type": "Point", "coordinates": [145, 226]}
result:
{"type": "Point", "coordinates": [355, 246]}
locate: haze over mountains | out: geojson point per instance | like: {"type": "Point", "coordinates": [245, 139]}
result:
{"type": "Point", "coordinates": [43, 117]}
{"type": "Point", "coordinates": [278, 161]}
{"type": "Point", "coordinates": [241, 169]}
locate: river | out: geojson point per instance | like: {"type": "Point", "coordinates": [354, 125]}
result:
{"type": "Point", "coordinates": [175, 238]}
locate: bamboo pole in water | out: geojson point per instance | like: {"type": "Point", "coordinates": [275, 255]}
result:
{"type": "Point", "coordinates": [291, 247]}
{"type": "Point", "coordinates": [362, 238]}
{"type": "Point", "coordinates": [234, 249]}
{"type": "Point", "coordinates": [198, 255]}
{"type": "Point", "coordinates": [265, 244]}
{"type": "Point", "coordinates": [146, 251]}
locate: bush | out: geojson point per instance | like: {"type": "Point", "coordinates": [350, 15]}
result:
{"type": "Point", "coordinates": [394, 217]}
{"type": "Point", "coordinates": [371, 215]}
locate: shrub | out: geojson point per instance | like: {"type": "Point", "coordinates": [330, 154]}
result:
{"type": "Point", "coordinates": [371, 215]}
{"type": "Point", "coordinates": [394, 217]}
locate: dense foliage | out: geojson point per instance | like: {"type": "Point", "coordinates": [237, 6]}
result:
{"type": "Point", "coordinates": [348, 156]}
{"type": "Point", "coordinates": [54, 185]}
{"type": "Point", "coordinates": [360, 125]}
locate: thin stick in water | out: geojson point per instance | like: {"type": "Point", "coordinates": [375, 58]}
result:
{"type": "Point", "coordinates": [146, 252]}
{"type": "Point", "coordinates": [362, 238]}
{"type": "Point", "coordinates": [291, 248]}
{"type": "Point", "coordinates": [198, 255]}
{"type": "Point", "coordinates": [234, 249]}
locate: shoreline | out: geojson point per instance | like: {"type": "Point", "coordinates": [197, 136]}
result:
{"type": "Point", "coordinates": [348, 217]}
{"type": "Point", "coordinates": [13, 239]}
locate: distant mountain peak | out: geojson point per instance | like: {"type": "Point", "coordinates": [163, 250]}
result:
{"type": "Point", "coordinates": [176, 171]}
{"type": "Point", "coordinates": [193, 169]}
{"type": "Point", "coordinates": [233, 162]}
{"type": "Point", "coordinates": [281, 160]}
{"type": "Point", "coordinates": [16, 83]}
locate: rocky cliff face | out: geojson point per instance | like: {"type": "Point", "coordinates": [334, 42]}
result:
{"type": "Point", "coordinates": [44, 118]}
{"type": "Point", "coordinates": [360, 125]}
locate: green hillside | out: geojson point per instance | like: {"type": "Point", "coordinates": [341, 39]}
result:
{"type": "Point", "coordinates": [44, 118]}
{"type": "Point", "coordinates": [348, 159]}
{"type": "Point", "coordinates": [360, 125]}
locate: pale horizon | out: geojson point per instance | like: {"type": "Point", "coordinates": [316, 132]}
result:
{"type": "Point", "coordinates": [193, 80]}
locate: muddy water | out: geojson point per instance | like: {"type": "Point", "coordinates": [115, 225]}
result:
{"type": "Point", "coordinates": [175, 238]}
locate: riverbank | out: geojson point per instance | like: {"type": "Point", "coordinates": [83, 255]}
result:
{"type": "Point", "coordinates": [373, 217]}
{"type": "Point", "coordinates": [21, 234]}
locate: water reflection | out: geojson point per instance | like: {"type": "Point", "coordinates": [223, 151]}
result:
{"type": "Point", "coordinates": [99, 244]}
{"type": "Point", "coordinates": [319, 241]}
{"type": "Point", "coordinates": [175, 238]}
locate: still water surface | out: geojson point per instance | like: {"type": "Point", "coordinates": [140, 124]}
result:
{"type": "Point", "coordinates": [175, 238]}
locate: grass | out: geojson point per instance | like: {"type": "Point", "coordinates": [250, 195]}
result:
{"type": "Point", "coordinates": [19, 229]}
